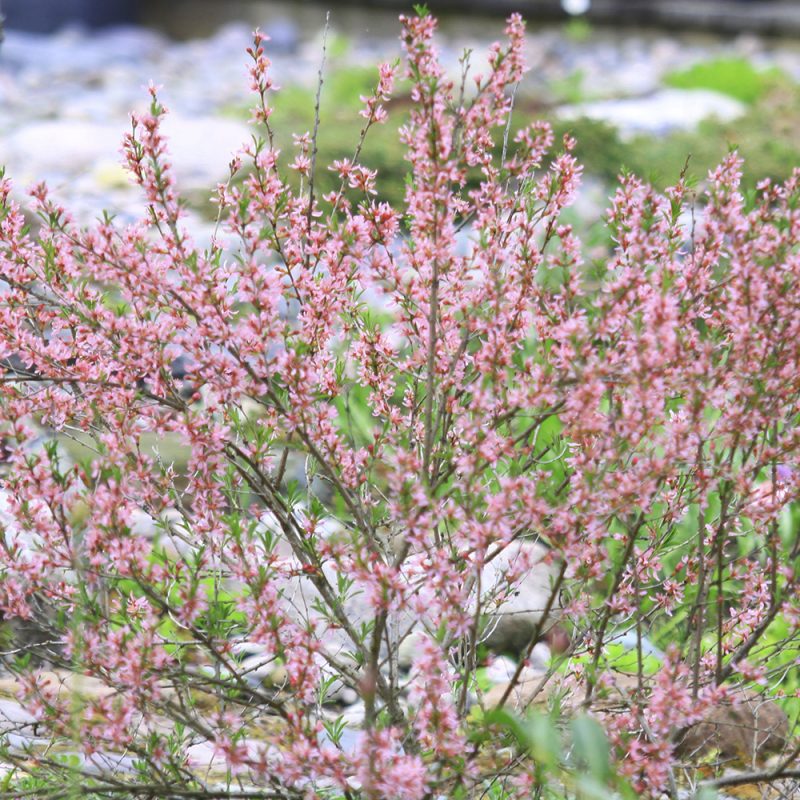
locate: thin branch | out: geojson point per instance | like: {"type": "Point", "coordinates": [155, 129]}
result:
{"type": "Point", "coordinates": [314, 135]}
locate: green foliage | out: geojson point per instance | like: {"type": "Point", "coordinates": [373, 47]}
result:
{"type": "Point", "coordinates": [623, 659]}
{"type": "Point", "coordinates": [764, 135]}
{"type": "Point", "coordinates": [340, 126]}
{"type": "Point", "coordinates": [578, 29]}
{"type": "Point", "coordinates": [569, 89]}
{"type": "Point", "coordinates": [781, 651]}
{"type": "Point", "coordinates": [572, 761]}
{"type": "Point", "coordinates": [736, 77]}
{"type": "Point", "coordinates": [599, 147]}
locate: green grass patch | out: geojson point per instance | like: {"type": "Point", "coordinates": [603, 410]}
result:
{"type": "Point", "coordinates": [736, 77]}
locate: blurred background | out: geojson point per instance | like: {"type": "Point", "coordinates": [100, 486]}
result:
{"type": "Point", "coordinates": [642, 85]}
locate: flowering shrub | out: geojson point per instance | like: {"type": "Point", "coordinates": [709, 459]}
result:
{"type": "Point", "coordinates": [394, 418]}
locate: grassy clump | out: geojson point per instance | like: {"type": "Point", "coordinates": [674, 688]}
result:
{"type": "Point", "coordinates": [736, 77]}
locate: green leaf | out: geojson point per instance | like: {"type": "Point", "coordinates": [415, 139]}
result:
{"type": "Point", "coordinates": [590, 788]}
{"type": "Point", "coordinates": [590, 746]}
{"type": "Point", "coordinates": [511, 722]}
{"type": "Point", "coordinates": [545, 742]}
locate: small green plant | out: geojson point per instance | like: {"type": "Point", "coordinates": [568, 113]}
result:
{"type": "Point", "coordinates": [578, 29]}
{"type": "Point", "coordinates": [571, 761]}
{"type": "Point", "coordinates": [569, 89]}
{"type": "Point", "coordinates": [736, 77]}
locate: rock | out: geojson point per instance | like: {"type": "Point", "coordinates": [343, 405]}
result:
{"type": "Point", "coordinates": [284, 36]}
{"type": "Point", "coordinates": [60, 147]}
{"type": "Point", "coordinates": [513, 624]}
{"type": "Point", "coordinates": [169, 532]}
{"type": "Point", "coordinates": [260, 669]}
{"type": "Point", "coordinates": [142, 524]}
{"type": "Point", "coordinates": [528, 691]}
{"type": "Point", "coordinates": [659, 113]}
{"type": "Point", "coordinates": [32, 637]}
{"type": "Point", "coordinates": [409, 648]}
{"type": "Point", "coordinates": [629, 641]}
{"type": "Point", "coordinates": [170, 519]}
{"type": "Point", "coordinates": [201, 148]}
{"type": "Point", "coordinates": [337, 691]}
{"type": "Point", "coordinates": [105, 763]}
{"type": "Point", "coordinates": [204, 756]}
{"type": "Point", "coordinates": [14, 716]}
{"type": "Point", "coordinates": [540, 656]}
{"type": "Point", "coordinates": [73, 684]}
{"type": "Point", "coordinates": [512, 621]}
{"type": "Point", "coordinates": [745, 730]}
{"type": "Point", "coordinates": [18, 728]}
{"type": "Point", "coordinates": [501, 669]}
{"type": "Point", "coordinates": [210, 764]}
{"type": "Point", "coordinates": [351, 720]}
{"type": "Point", "coordinates": [354, 716]}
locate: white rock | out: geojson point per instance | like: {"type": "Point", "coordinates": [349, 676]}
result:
{"type": "Point", "coordinates": [258, 671]}
{"type": "Point", "coordinates": [515, 621]}
{"type": "Point", "coordinates": [501, 669]}
{"type": "Point", "coordinates": [14, 716]}
{"type": "Point", "coordinates": [659, 113]}
{"type": "Point", "coordinates": [200, 148]}
{"type": "Point", "coordinates": [540, 657]}
{"type": "Point", "coordinates": [203, 754]}
{"type": "Point", "coordinates": [409, 648]}
{"type": "Point", "coordinates": [354, 715]}
{"type": "Point", "coordinates": [629, 641]}
{"type": "Point", "coordinates": [513, 618]}
{"type": "Point", "coordinates": [142, 524]}
{"type": "Point", "coordinates": [61, 147]}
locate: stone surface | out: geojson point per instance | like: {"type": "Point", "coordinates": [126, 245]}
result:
{"type": "Point", "coordinates": [528, 691]}
{"type": "Point", "coordinates": [510, 626]}
{"type": "Point", "coordinates": [61, 147]}
{"type": "Point", "coordinates": [513, 624]}
{"type": "Point", "coordinates": [743, 731]}
{"type": "Point", "coordinates": [15, 719]}
{"type": "Point", "coordinates": [659, 113]}
{"type": "Point", "coordinates": [72, 684]}
{"type": "Point", "coordinates": [201, 148]}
